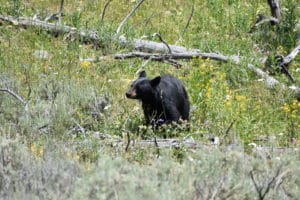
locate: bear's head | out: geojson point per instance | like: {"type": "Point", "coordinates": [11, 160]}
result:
{"type": "Point", "coordinates": [143, 88]}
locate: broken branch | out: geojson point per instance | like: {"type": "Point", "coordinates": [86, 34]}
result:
{"type": "Point", "coordinates": [19, 98]}
{"type": "Point", "coordinates": [286, 60]}
{"type": "Point", "coordinates": [104, 10]}
{"type": "Point", "coordinates": [174, 56]}
{"type": "Point", "coordinates": [188, 22]}
{"type": "Point", "coordinates": [127, 17]}
{"type": "Point", "coordinates": [162, 40]}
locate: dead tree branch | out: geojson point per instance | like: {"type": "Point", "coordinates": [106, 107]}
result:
{"type": "Point", "coordinates": [16, 96]}
{"type": "Point", "coordinates": [161, 143]}
{"type": "Point", "coordinates": [128, 141]}
{"type": "Point", "coordinates": [58, 15]}
{"type": "Point", "coordinates": [174, 56]}
{"type": "Point", "coordinates": [263, 20]}
{"type": "Point", "coordinates": [273, 182]}
{"type": "Point", "coordinates": [163, 41]}
{"type": "Point", "coordinates": [275, 12]}
{"type": "Point", "coordinates": [275, 9]}
{"type": "Point", "coordinates": [27, 80]}
{"type": "Point", "coordinates": [127, 17]}
{"type": "Point", "coordinates": [60, 11]}
{"type": "Point", "coordinates": [289, 58]}
{"type": "Point", "coordinates": [188, 22]}
{"type": "Point", "coordinates": [104, 10]}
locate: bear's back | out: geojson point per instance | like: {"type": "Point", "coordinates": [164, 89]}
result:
{"type": "Point", "coordinates": [174, 92]}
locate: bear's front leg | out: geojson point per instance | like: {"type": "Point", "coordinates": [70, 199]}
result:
{"type": "Point", "coordinates": [171, 114]}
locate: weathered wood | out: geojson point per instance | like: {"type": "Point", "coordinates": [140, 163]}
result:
{"type": "Point", "coordinates": [151, 46]}
{"type": "Point", "coordinates": [271, 20]}
{"type": "Point", "coordinates": [55, 28]}
{"type": "Point", "coordinates": [289, 58]}
{"type": "Point", "coordinates": [275, 8]}
{"type": "Point", "coordinates": [264, 152]}
{"type": "Point", "coordinates": [160, 143]}
{"type": "Point", "coordinates": [175, 56]}
{"type": "Point", "coordinates": [17, 97]}
{"type": "Point", "coordinates": [127, 17]}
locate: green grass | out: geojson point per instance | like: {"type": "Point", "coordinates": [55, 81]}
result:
{"type": "Point", "coordinates": [67, 95]}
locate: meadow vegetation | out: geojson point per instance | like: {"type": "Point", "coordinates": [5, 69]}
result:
{"type": "Point", "coordinates": [53, 147]}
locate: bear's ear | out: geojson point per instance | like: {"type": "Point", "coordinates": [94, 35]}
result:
{"type": "Point", "coordinates": [154, 82]}
{"type": "Point", "coordinates": [142, 74]}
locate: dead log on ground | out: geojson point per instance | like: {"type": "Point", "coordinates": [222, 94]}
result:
{"type": "Point", "coordinates": [263, 152]}
{"type": "Point", "coordinates": [175, 56]}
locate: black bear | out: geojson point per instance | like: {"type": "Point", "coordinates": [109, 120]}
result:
{"type": "Point", "coordinates": [164, 98]}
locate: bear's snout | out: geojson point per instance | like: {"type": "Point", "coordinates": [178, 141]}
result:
{"type": "Point", "coordinates": [131, 95]}
{"type": "Point", "coordinates": [127, 94]}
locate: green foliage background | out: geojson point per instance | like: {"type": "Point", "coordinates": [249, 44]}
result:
{"type": "Point", "coordinates": [68, 94]}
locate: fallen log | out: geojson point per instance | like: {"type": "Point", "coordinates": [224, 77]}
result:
{"type": "Point", "coordinates": [54, 28]}
{"type": "Point", "coordinates": [261, 151]}
{"type": "Point", "coordinates": [175, 56]}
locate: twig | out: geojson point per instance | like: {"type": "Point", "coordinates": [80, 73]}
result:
{"type": "Point", "coordinates": [60, 11]}
{"type": "Point", "coordinates": [56, 16]}
{"type": "Point", "coordinates": [162, 40]}
{"type": "Point", "coordinates": [14, 95]}
{"type": "Point", "coordinates": [227, 130]}
{"type": "Point", "coordinates": [188, 22]}
{"type": "Point", "coordinates": [263, 20]}
{"type": "Point", "coordinates": [79, 126]}
{"type": "Point", "coordinates": [229, 127]}
{"type": "Point", "coordinates": [27, 80]}
{"type": "Point", "coordinates": [127, 17]}
{"type": "Point", "coordinates": [173, 63]}
{"type": "Point", "coordinates": [104, 10]}
{"type": "Point", "coordinates": [258, 189]}
{"type": "Point", "coordinates": [289, 58]}
{"type": "Point", "coordinates": [271, 184]}
{"type": "Point", "coordinates": [281, 178]}
{"type": "Point", "coordinates": [157, 147]}
{"type": "Point", "coordinates": [148, 19]}
{"type": "Point", "coordinates": [128, 142]}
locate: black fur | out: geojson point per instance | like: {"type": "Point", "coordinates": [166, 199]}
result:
{"type": "Point", "coordinates": [164, 98]}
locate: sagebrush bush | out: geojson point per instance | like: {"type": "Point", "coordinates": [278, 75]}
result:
{"type": "Point", "coordinates": [207, 173]}
{"type": "Point", "coordinates": [24, 176]}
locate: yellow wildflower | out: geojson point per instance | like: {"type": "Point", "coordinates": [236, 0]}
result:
{"type": "Point", "coordinates": [240, 98]}
{"type": "Point", "coordinates": [37, 151]}
{"type": "Point", "coordinates": [294, 116]}
{"type": "Point", "coordinates": [85, 64]}
{"type": "Point", "coordinates": [286, 108]}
